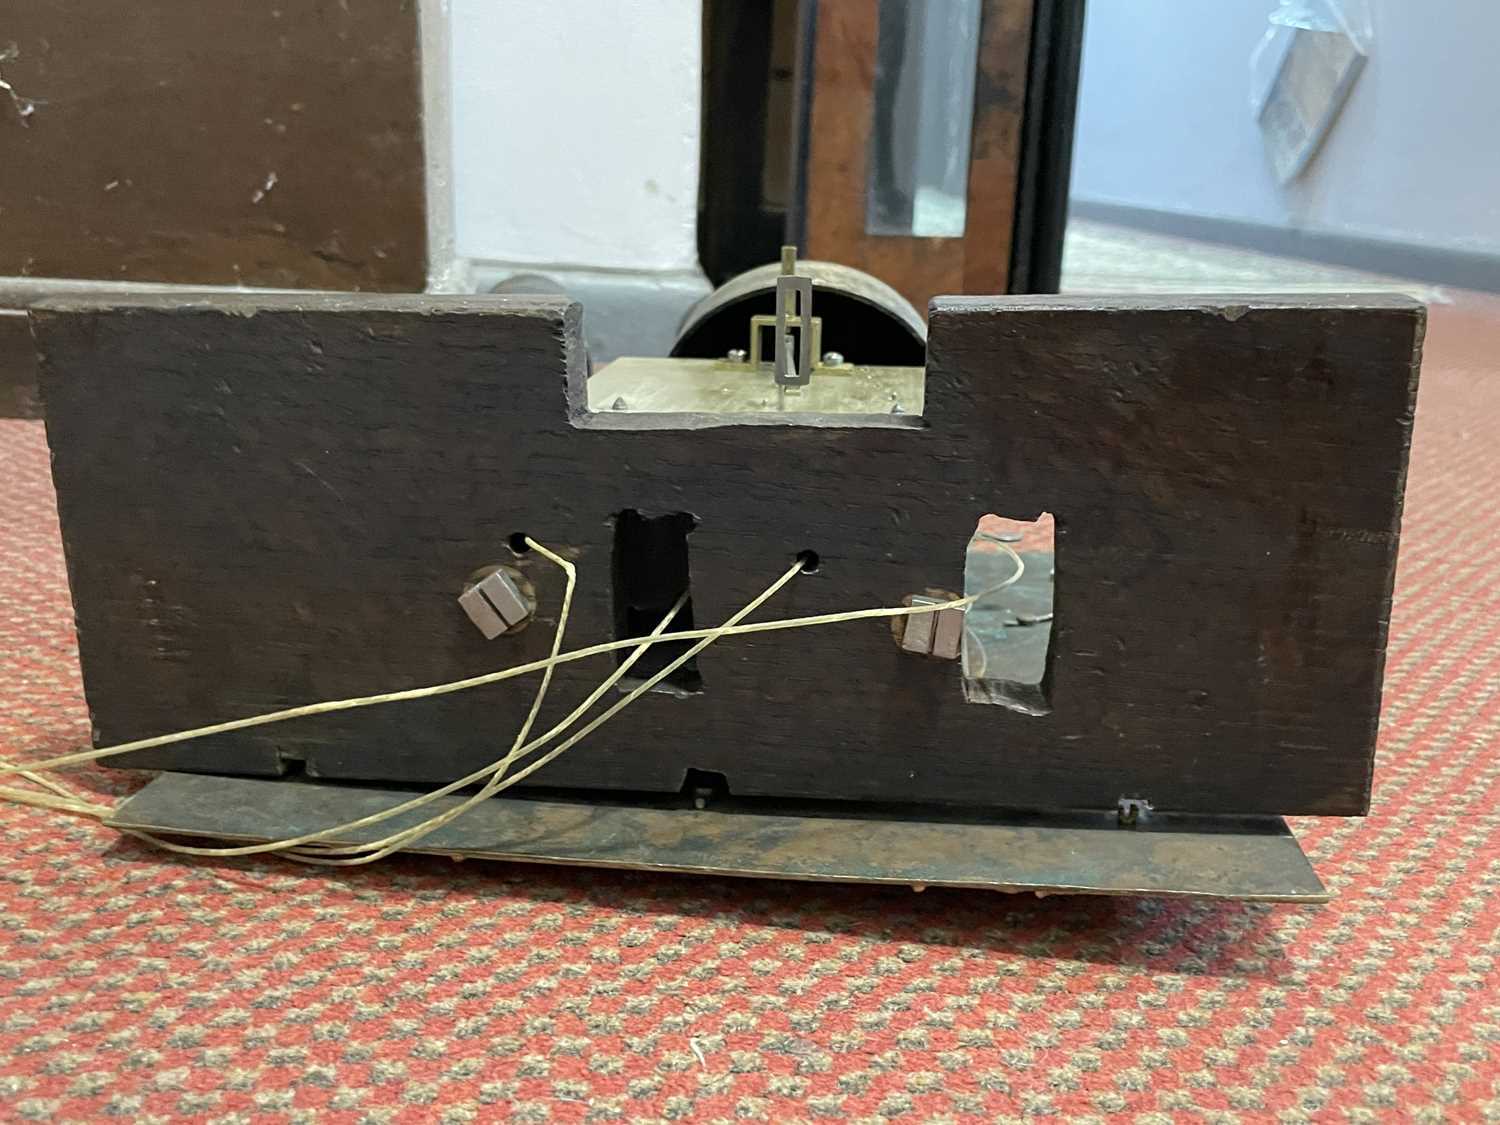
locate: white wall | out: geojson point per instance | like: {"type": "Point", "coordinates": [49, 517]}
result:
{"type": "Point", "coordinates": [1164, 123]}
{"type": "Point", "coordinates": [575, 131]}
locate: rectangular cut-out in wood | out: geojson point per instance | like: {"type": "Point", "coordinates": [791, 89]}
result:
{"type": "Point", "coordinates": [267, 501]}
{"type": "Point", "coordinates": [1008, 631]}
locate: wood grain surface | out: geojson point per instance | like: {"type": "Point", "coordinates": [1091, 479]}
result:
{"type": "Point", "coordinates": [215, 143]}
{"type": "Point", "coordinates": [268, 501]}
{"type": "Point", "coordinates": [839, 152]}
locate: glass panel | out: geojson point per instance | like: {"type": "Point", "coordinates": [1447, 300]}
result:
{"type": "Point", "coordinates": [925, 65]}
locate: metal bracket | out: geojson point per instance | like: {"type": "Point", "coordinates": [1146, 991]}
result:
{"type": "Point", "coordinates": [1133, 810]}
{"type": "Point", "coordinates": [794, 370]}
{"type": "Point", "coordinates": [939, 635]}
{"type": "Point", "coordinates": [496, 604]}
{"type": "Point", "coordinates": [793, 310]}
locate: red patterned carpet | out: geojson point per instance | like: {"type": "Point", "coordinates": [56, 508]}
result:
{"type": "Point", "coordinates": [141, 986]}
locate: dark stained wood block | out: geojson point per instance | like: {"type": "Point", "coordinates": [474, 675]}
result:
{"type": "Point", "coordinates": [268, 501]}
{"type": "Point", "coordinates": [257, 144]}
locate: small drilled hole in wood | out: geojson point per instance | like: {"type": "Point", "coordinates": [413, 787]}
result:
{"type": "Point", "coordinates": [1008, 631]}
{"type": "Point", "coordinates": [809, 561]}
{"type": "Point", "coordinates": [518, 544]}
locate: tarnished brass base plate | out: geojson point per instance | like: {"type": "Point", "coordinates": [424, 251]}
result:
{"type": "Point", "coordinates": [845, 395]}
{"type": "Point", "coordinates": [1086, 853]}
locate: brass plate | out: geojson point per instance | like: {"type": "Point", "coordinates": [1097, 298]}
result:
{"type": "Point", "coordinates": [1253, 859]}
{"type": "Point", "coordinates": [845, 395]}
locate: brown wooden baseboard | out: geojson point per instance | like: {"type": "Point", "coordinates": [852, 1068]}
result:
{"type": "Point", "coordinates": [225, 144]}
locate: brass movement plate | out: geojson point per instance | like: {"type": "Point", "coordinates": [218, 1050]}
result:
{"type": "Point", "coordinates": [1254, 859]}
{"type": "Point", "coordinates": [851, 392]}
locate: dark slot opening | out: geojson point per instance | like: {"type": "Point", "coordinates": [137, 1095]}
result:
{"type": "Point", "coordinates": [290, 765]}
{"type": "Point", "coordinates": [704, 786]}
{"type": "Point", "coordinates": [650, 574]}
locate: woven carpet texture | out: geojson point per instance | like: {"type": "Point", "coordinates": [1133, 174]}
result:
{"type": "Point", "coordinates": [140, 986]}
